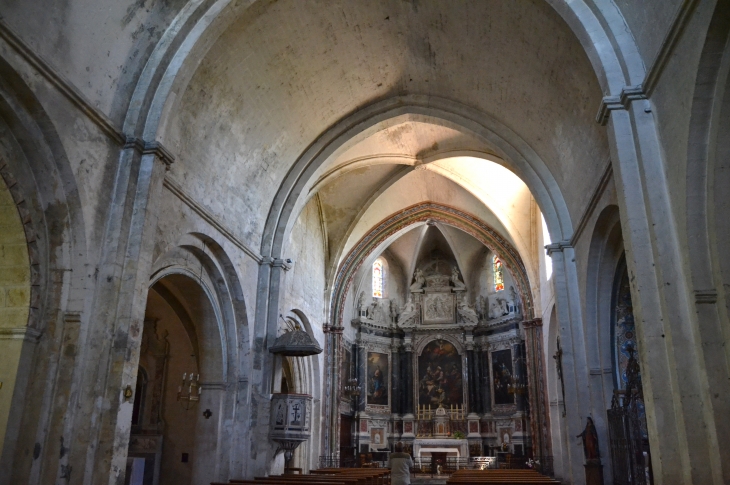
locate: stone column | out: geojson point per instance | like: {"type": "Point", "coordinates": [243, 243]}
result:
{"type": "Point", "coordinates": [575, 363]}
{"type": "Point", "coordinates": [681, 391]}
{"type": "Point", "coordinates": [537, 390]}
{"type": "Point", "coordinates": [97, 421]}
{"type": "Point", "coordinates": [403, 396]}
{"type": "Point", "coordinates": [332, 407]}
{"type": "Point", "coordinates": [396, 388]}
{"type": "Point", "coordinates": [362, 377]}
{"type": "Point", "coordinates": [408, 381]}
{"type": "Point", "coordinates": [486, 380]}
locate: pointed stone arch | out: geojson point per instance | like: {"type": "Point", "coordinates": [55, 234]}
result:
{"type": "Point", "coordinates": [421, 213]}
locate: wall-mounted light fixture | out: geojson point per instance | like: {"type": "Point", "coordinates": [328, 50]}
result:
{"type": "Point", "coordinates": [188, 393]}
{"type": "Point", "coordinates": [128, 393]}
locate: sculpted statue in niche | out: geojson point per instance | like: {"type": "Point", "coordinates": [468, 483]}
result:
{"type": "Point", "coordinates": [590, 442]}
{"type": "Point", "coordinates": [468, 314]}
{"type": "Point", "coordinates": [360, 303]}
{"type": "Point", "coordinates": [393, 307]}
{"type": "Point", "coordinates": [498, 308]}
{"type": "Point", "coordinates": [420, 280]}
{"type": "Point", "coordinates": [456, 279]}
{"type": "Point", "coordinates": [409, 313]}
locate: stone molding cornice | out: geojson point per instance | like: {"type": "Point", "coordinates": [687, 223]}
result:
{"type": "Point", "coordinates": [558, 247]}
{"type": "Point", "coordinates": [533, 323]}
{"type": "Point", "coordinates": [150, 148]}
{"type": "Point", "coordinates": [28, 334]}
{"type": "Point", "coordinates": [651, 78]}
{"type": "Point", "coordinates": [595, 371]}
{"type": "Point", "coordinates": [76, 98]}
{"type": "Point", "coordinates": [622, 101]}
{"type": "Point", "coordinates": [173, 186]}
{"type": "Point", "coordinates": [706, 296]}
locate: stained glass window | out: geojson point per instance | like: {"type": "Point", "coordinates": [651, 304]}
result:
{"type": "Point", "coordinates": [378, 275]}
{"type": "Point", "coordinates": [498, 274]}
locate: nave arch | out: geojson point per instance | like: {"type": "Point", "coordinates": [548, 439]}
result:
{"type": "Point", "coordinates": [198, 280]}
{"type": "Point", "coordinates": [580, 17]}
{"type": "Point", "coordinates": [47, 199]}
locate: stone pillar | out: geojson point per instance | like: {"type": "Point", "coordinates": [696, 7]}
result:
{"type": "Point", "coordinates": [332, 408]}
{"type": "Point", "coordinates": [408, 347]}
{"type": "Point", "coordinates": [471, 376]}
{"type": "Point", "coordinates": [536, 387]}
{"type": "Point", "coordinates": [575, 362]}
{"type": "Point", "coordinates": [97, 425]}
{"type": "Point", "coordinates": [486, 380]}
{"type": "Point", "coordinates": [403, 396]}
{"type": "Point", "coordinates": [518, 371]}
{"type": "Point", "coordinates": [396, 388]}
{"type": "Point", "coordinates": [362, 377]}
{"type": "Point", "coordinates": [683, 429]}
{"type": "Point", "coordinates": [266, 324]}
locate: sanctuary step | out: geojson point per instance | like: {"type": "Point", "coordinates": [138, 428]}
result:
{"type": "Point", "coordinates": [500, 477]}
{"type": "Point", "coordinates": [329, 476]}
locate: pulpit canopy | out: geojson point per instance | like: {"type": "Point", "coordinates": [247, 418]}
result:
{"type": "Point", "coordinates": [295, 343]}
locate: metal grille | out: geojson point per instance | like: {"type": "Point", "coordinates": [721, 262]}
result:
{"type": "Point", "coordinates": [630, 455]}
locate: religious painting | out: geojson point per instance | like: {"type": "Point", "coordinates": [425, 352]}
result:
{"type": "Point", "coordinates": [440, 378]}
{"type": "Point", "coordinates": [378, 372]}
{"type": "Point", "coordinates": [377, 438]}
{"type": "Point", "coordinates": [345, 372]}
{"type": "Point", "coordinates": [438, 308]}
{"type": "Point", "coordinates": [502, 376]}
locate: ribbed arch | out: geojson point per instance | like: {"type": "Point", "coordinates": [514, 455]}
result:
{"type": "Point", "coordinates": [421, 213]}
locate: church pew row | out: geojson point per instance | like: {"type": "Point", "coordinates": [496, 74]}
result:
{"type": "Point", "coordinates": [500, 477]}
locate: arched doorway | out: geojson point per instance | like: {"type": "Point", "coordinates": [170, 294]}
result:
{"type": "Point", "coordinates": [175, 417]}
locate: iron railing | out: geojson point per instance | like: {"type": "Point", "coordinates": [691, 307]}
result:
{"type": "Point", "coordinates": [630, 456]}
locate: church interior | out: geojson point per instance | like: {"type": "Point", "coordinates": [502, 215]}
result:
{"type": "Point", "coordinates": [259, 238]}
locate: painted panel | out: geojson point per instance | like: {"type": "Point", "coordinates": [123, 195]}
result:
{"type": "Point", "coordinates": [378, 372]}
{"type": "Point", "coordinates": [502, 376]}
{"type": "Point", "coordinates": [441, 380]}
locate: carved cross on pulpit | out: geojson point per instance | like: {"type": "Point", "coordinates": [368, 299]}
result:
{"type": "Point", "coordinates": [295, 414]}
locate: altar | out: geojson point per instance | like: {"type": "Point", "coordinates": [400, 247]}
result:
{"type": "Point", "coordinates": [423, 448]}
{"type": "Point", "coordinates": [445, 380]}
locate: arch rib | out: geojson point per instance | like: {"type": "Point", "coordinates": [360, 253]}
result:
{"type": "Point", "coordinates": [420, 213]}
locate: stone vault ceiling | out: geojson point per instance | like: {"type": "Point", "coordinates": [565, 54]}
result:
{"type": "Point", "coordinates": [281, 75]}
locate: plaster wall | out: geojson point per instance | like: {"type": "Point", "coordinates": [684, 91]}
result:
{"type": "Point", "coordinates": [250, 110]}
{"type": "Point", "coordinates": [99, 46]}
{"type": "Point", "coordinates": [648, 21]}
{"type": "Point", "coordinates": [14, 300]}
{"type": "Point", "coordinates": [672, 100]}
{"type": "Point", "coordinates": [304, 285]}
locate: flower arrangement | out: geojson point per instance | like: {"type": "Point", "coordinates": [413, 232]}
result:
{"type": "Point", "coordinates": [458, 435]}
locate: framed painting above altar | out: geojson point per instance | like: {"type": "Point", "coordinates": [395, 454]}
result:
{"type": "Point", "coordinates": [502, 376]}
{"type": "Point", "coordinates": [378, 379]}
{"type": "Point", "coordinates": [440, 377]}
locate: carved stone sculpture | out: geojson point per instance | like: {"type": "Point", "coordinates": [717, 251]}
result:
{"type": "Point", "coordinates": [456, 279]}
{"type": "Point", "coordinates": [419, 280]}
{"type": "Point", "coordinates": [467, 314]}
